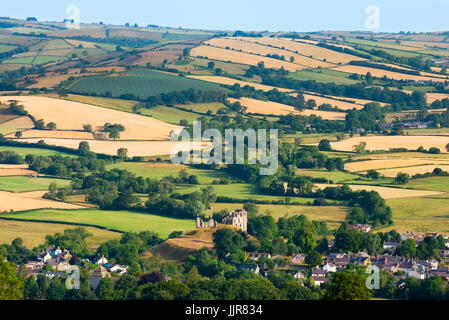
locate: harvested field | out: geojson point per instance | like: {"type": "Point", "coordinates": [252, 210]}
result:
{"type": "Point", "coordinates": [343, 105]}
{"type": "Point", "coordinates": [413, 170]}
{"type": "Point", "coordinates": [379, 73]}
{"type": "Point", "coordinates": [135, 148]}
{"type": "Point", "coordinates": [55, 134]}
{"type": "Point", "coordinates": [386, 192]}
{"type": "Point", "coordinates": [69, 115]}
{"type": "Point", "coordinates": [14, 125]}
{"type": "Point", "coordinates": [306, 49]}
{"type": "Point", "coordinates": [274, 108]}
{"type": "Point", "coordinates": [432, 96]}
{"type": "Point", "coordinates": [50, 81]}
{"type": "Point", "coordinates": [230, 81]}
{"type": "Point", "coordinates": [241, 57]}
{"type": "Point", "coordinates": [385, 164]}
{"type": "Point", "coordinates": [30, 200]}
{"type": "Point", "coordinates": [16, 170]}
{"type": "Point", "coordinates": [253, 47]}
{"type": "Point", "coordinates": [387, 142]}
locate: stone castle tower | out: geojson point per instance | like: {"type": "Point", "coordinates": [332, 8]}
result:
{"type": "Point", "coordinates": [238, 218]}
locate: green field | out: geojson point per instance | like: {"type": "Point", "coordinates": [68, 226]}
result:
{"type": "Point", "coordinates": [432, 183]}
{"type": "Point", "coordinates": [241, 191]}
{"type": "Point", "coordinates": [6, 48]}
{"type": "Point", "coordinates": [126, 221]}
{"type": "Point", "coordinates": [323, 75]}
{"type": "Point", "coordinates": [168, 114]}
{"type": "Point", "coordinates": [335, 176]}
{"type": "Point", "coordinates": [424, 214]}
{"type": "Point", "coordinates": [23, 151]}
{"type": "Point", "coordinates": [141, 83]}
{"type": "Point", "coordinates": [160, 170]}
{"type": "Point", "coordinates": [24, 184]}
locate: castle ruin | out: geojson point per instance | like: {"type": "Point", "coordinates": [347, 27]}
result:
{"type": "Point", "coordinates": [238, 218]}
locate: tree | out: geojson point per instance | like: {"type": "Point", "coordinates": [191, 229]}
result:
{"type": "Point", "coordinates": [10, 284]}
{"type": "Point", "coordinates": [83, 148]}
{"type": "Point", "coordinates": [324, 145]}
{"type": "Point", "coordinates": [360, 148]}
{"type": "Point", "coordinates": [56, 291]}
{"type": "Point", "coordinates": [227, 241]}
{"type": "Point", "coordinates": [311, 103]}
{"type": "Point", "coordinates": [105, 289]}
{"type": "Point", "coordinates": [304, 237]}
{"type": "Point", "coordinates": [51, 126]}
{"type": "Point", "coordinates": [372, 174]}
{"type": "Point", "coordinates": [211, 65]}
{"type": "Point", "coordinates": [347, 286]}
{"type": "Point", "coordinates": [18, 134]}
{"type": "Point", "coordinates": [30, 289]}
{"type": "Point", "coordinates": [407, 248]}
{"type": "Point", "coordinates": [87, 127]}
{"type": "Point", "coordinates": [193, 275]}
{"type": "Point", "coordinates": [292, 59]}
{"type": "Point", "coordinates": [114, 134]}
{"type": "Point", "coordinates": [122, 153]}
{"type": "Point", "coordinates": [402, 178]}
{"type": "Point", "coordinates": [39, 124]}
{"type": "Point", "coordinates": [314, 259]}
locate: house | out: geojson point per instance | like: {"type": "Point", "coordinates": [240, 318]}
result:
{"type": "Point", "coordinates": [121, 270]}
{"type": "Point", "coordinates": [319, 280]}
{"type": "Point", "coordinates": [390, 245]}
{"type": "Point", "coordinates": [98, 274]}
{"type": "Point", "coordinates": [31, 266]}
{"type": "Point", "coordinates": [330, 267]}
{"type": "Point", "coordinates": [299, 275]}
{"type": "Point", "coordinates": [362, 261]}
{"type": "Point", "coordinates": [251, 267]}
{"type": "Point", "coordinates": [299, 258]}
{"type": "Point", "coordinates": [318, 272]}
{"type": "Point", "coordinates": [361, 227]}
{"type": "Point", "coordinates": [100, 259]}
{"type": "Point", "coordinates": [417, 272]}
{"type": "Point", "coordinates": [442, 272]}
{"type": "Point", "coordinates": [257, 255]}
{"type": "Point", "coordinates": [44, 256]}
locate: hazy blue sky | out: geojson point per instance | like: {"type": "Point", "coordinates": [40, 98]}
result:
{"type": "Point", "coordinates": [273, 15]}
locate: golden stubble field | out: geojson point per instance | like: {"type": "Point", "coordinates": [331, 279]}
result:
{"type": "Point", "coordinates": [69, 115]}
{"type": "Point", "coordinates": [386, 192]}
{"type": "Point", "coordinates": [253, 47]}
{"type": "Point", "coordinates": [221, 54]}
{"type": "Point", "coordinates": [230, 81]}
{"type": "Point", "coordinates": [274, 108]}
{"type": "Point", "coordinates": [135, 148]}
{"type": "Point", "coordinates": [307, 49]}
{"type": "Point", "coordinates": [387, 142]}
{"type": "Point", "coordinates": [30, 200]}
{"type": "Point", "coordinates": [381, 73]}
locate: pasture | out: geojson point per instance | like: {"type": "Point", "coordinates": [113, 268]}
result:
{"type": "Point", "coordinates": [26, 183]}
{"type": "Point", "coordinates": [125, 221]}
{"type": "Point", "coordinates": [142, 83]}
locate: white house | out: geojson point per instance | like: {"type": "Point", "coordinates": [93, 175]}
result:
{"type": "Point", "coordinates": [330, 267]}
{"type": "Point", "coordinates": [100, 259]}
{"type": "Point", "coordinates": [298, 275]}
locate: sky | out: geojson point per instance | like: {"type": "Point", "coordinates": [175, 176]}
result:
{"type": "Point", "coordinates": [249, 15]}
